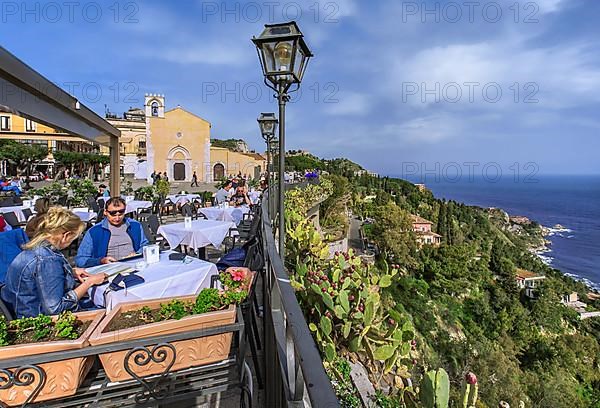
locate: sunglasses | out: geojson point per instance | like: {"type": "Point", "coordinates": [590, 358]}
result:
{"type": "Point", "coordinates": [116, 212]}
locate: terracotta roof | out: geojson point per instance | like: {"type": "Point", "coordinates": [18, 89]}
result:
{"type": "Point", "coordinates": [419, 220]}
{"type": "Point", "coordinates": [523, 274]}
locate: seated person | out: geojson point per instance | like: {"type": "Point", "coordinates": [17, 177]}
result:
{"type": "Point", "coordinates": [40, 280]}
{"type": "Point", "coordinates": [115, 237]}
{"type": "Point", "coordinates": [240, 197]}
{"type": "Point", "coordinates": [223, 194]}
{"type": "Point", "coordinates": [102, 191]}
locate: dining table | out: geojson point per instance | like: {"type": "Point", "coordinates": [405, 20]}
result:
{"type": "Point", "coordinates": [162, 280]}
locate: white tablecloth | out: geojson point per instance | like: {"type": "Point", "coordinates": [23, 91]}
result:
{"type": "Point", "coordinates": [85, 214]}
{"type": "Point", "coordinates": [254, 196]}
{"type": "Point", "coordinates": [136, 205]}
{"type": "Point", "coordinates": [201, 234]}
{"type": "Point", "coordinates": [234, 214]}
{"type": "Point", "coordinates": [17, 209]}
{"type": "Point", "coordinates": [175, 198]}
{"type": "Point", "coordinates": [165, 279]}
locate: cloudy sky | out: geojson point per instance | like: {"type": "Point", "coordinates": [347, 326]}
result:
{"type": "Point", "coordinates": [400, 87]}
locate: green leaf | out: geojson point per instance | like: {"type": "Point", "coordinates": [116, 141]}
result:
{"type": "Point", "coordinates": [346, 329]}
{"type": "Point", "coordinates": [385, 281]}
{"type": "Point", "coordinates": [343, 297]}
{"type": "Point", "coordinates": [335, 277]}
{"type": "Point", "coordinates": [312, 327]}
{"type": "Point", "coordinates": [330, 351]}
{"type": "Point", "coordinates": [316, 289]}
{"type": "Point", "coordinates": [384, 352]}
{"type": "Point", "coordinates": [339, 312]}
{"type": "Point", "coordinates": [328, 300]}
{"type": "Point", "coordinates": [301, 269]}
{"type": "Point", "coordinates": [346, 283]}
{"type": "Point", "coordinates": [369, 313]}
{"type": "Point", "coordinates": [405, 350]}
{"type": "Point", "coordinates": [354, 344]}
{"type": "Point", "coordinates": [442, 388]}
{"type": "Point", "coordinates": [325, 325]}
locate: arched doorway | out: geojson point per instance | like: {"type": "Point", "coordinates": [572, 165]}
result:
{"type": "Point", "coordinates": [179, 164]}
{"type": "Point", "coordinates": [218, 172]}
{"type": "Point", "coordinates": [179, 171]}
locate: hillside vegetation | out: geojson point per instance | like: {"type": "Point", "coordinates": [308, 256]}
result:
{"type": "Point", "coordinates": [456, 306]}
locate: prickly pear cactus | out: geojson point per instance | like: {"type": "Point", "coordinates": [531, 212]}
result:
{"type": "Point", "coordinates": [470, 391]}
{"type": "Point", "coordinates": [435, 389]}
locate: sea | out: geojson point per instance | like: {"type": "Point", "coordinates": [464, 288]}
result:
{"type": "Point", "coordinates": [571, 201]}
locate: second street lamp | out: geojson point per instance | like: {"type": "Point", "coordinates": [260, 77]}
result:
{"type": "Point", "coordinates": [267, 123]}
{"type": "Point", "coordinates": [284, 56]}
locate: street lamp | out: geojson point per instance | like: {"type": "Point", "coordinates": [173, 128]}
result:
{"type": "Point", "coordinates": [267, 122]}
{"type": "Point", "coordinates": [283, 56]}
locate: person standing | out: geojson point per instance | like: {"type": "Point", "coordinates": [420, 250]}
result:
{"type": "Point", "coordinates": [194, 180]}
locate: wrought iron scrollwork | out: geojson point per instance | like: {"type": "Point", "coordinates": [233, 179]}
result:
{"type": "Point", "coordinates": [24, 376]}
{"type": "Point", "coordinates": [142, 356]}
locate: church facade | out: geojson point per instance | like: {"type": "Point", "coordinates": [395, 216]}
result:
{"type": "Point", "coordinates": [177, 142]}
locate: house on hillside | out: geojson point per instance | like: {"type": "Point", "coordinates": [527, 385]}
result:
{"type": "Point", "coordinates": [528, 281]}
{"type": "Point", "coordinates": [425, 236]}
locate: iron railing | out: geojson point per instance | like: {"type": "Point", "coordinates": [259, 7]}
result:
{"type": "Point", "coordinates": [294, 373]}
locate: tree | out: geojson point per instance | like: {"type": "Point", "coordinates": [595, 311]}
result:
{"type": "Point", "coordinates": [393, 233]}
{"type": "Point", "coordinates": [23, 156]}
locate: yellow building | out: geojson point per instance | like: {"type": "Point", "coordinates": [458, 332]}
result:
{"type": "Point", "coordinates": [177, 142]}
{"type": "Point", "coordinates": [227, 163]}
{"type": "Point", "coordinates": [14, 127]}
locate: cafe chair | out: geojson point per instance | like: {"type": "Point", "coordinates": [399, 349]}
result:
{"type": "Point", "coordinates": [12, 220]}
{"type": "Point", "coordinates": [27, 213]}
{"type": "Point", "coordinates": [4, 310]}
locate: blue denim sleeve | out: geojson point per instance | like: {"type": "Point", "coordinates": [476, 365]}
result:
{"type": "Point", "coordinates": [54, 293]}
{"type": "Point", "coordinates": [84, 258]}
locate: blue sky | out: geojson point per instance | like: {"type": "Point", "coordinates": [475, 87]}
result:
{"type": "Point", "coordinates": [399, 87]}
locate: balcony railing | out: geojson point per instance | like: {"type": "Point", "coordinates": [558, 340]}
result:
{"type": "Point", "coordinates": [294, 371]}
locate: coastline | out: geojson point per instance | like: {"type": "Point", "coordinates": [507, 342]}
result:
{"type": "Point", "coordinates": [543, 249]}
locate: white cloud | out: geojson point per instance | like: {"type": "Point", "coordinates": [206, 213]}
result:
{"type": "Point", "coordinates": [559, 76]}
{"type": "Point", "coordinates": [548, 6]}
{"type": "Point", "coordinates": [348, 103]}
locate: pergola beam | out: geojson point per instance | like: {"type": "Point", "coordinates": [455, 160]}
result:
{"type": "Point", "coordinates": [25, 92]}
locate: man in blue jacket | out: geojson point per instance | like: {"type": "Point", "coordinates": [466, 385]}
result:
{"type": "Point", "coordinates": [114, 238]}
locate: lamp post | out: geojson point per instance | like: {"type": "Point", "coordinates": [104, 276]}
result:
{"type": "Point", "coordinates": [284, 56]}
{"type": "Point", "coordinates": [267, 122]}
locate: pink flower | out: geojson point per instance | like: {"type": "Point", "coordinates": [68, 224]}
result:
{"type": "Point", "coordinates": [237, 275]}
{"type": "Point", "coordinates": [471, 378]}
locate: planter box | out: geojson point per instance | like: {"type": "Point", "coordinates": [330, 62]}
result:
{"type": "Point", "coordinates": [189, 353]}
{"type": "Point", "coordinates": [62, 377]}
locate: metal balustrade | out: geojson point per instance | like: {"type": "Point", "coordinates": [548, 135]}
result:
{"type": "Point", "coordinates": [294, 371]}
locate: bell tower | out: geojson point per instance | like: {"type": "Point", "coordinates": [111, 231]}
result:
{"type": "Point", "coordinates": [154, 106]}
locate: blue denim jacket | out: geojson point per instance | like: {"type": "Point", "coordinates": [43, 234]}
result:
{"type": "Point", "coordinates": [40, 281]}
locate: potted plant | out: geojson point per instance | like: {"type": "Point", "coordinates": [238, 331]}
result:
{"type": "Point", "coordinates": [46, 334]}
{"type": "Point", "coordinates": [149, 318]}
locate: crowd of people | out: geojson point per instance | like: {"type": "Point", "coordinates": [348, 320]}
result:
{"type": "Point", "coordinates": [11, 184]}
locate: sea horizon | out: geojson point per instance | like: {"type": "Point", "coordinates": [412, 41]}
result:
{"type": "Point", "coordinates": [573, 201]}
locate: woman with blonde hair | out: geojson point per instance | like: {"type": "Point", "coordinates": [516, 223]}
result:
{"type": "Point", "coordinates": [40, 279]}
{"type": "Point", "coordinates": [41, 207]}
